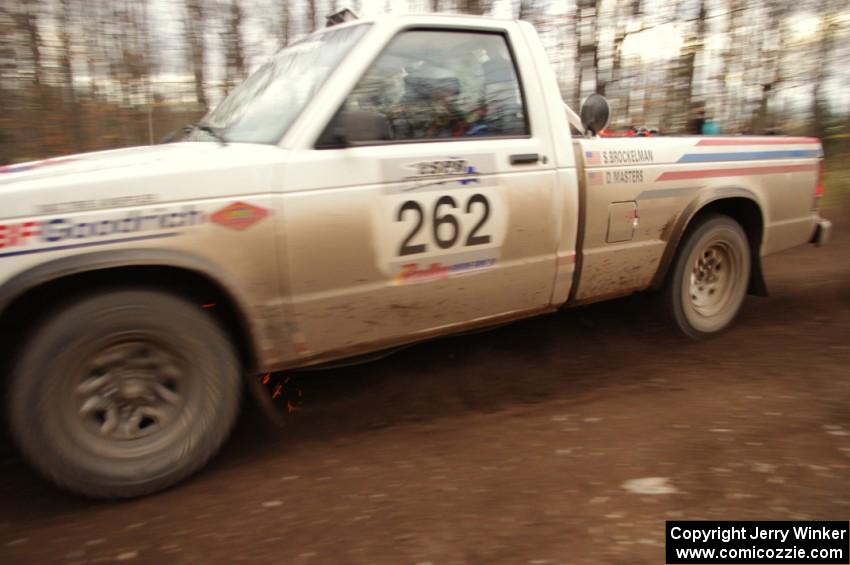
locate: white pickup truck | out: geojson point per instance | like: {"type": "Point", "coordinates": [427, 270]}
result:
{"type": "Point", "coordinates": [374, 184]}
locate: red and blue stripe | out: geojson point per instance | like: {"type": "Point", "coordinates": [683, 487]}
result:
{"type": "Point", "coordinates": [750, 156]}
{"type": "Point", "coordinates": [738, 156]}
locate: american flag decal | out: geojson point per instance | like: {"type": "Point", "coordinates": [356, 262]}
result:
{"type": "Point", "coordinates": [595, 177]}
{"type": "Point", "coordinates": [593, 157]}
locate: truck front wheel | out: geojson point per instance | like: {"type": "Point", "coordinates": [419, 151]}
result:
{"type": "Point", "coordinates": [710, 276]}
{"type": "Point", "coordinates": [124, 393]}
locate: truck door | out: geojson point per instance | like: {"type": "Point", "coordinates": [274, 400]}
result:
{"type": "Point", "coordinates": [447, 215]}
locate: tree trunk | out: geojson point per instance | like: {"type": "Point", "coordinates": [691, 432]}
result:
{"type": "Point", "coordinates": [699, 41]}
{"type": "Point", "coordinates": [312, 14]}
{"type": "Point", "coordinates": [587, 49]}
{"type": "Point", "coordinates": [526, 10]}
{"type": "Point", "coordinates": [771, 62]}
{"type": "Point", "coordinates": [475, 7]}
{"type": "Point", "coordinates": [577, 62]}
{"type": "Point", "coordinates": [285, 17]}
{"type": "Point", "coordinates": [30, 24]}
{"type": "Point", "coordinates": [195, 26]}
{"type": "Point", "coordinates": [234, 46]}
{"type": "Point", "coordinates": [70, 102]}
{"type": "Point", "coordinates": [820, 104]}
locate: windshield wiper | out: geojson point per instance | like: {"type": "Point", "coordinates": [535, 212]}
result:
{"type": "Point", "coordinates": [213, 132]}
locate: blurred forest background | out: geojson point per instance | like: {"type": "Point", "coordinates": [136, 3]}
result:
{"type": "Point", "coordinates": [82, 75]}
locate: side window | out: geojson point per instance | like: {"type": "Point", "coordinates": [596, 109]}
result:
{"type": "Point", "coordinates": [443, 84]}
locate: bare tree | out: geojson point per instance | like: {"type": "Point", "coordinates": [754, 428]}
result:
{"type": "Point", "coordinates": [820, 104]}
{"type": "Point", "coordinates": [587, 45]}
{"type": "Point", "coordinates": [575, 32]}
{"type": "Point", "coordinates": [681, 93]}
{"type": "Point", "coordinates": [10, 83]}
{"type": "Point", "coordinates": [65, 65]}
{"type": "Point", "coordinates": [28, 20]}
{"type": "Point", "coordinates": [476, 7]}
{"type": "Point", "coordinates": [69, 102]}
{"type": "Point", "coordinates": [284, 17]}
{"type": "Point", "coordinates": [194, 24]}
{"type": "Point", "coordinates": [233, 47]}
{"type": "Point", "coordinates": [312, 13]}
{"type": "Point", "coordinates": [771, 50]}
{"type": "Point", "coordinates": [724, 103]}
{"type": "Point", "coordinates": [696, 48]}
{"type": "Point", "coordinates": [130, 65]}
{"type": "Point", "coordinates": [526, 9]}
{"type": "Point", "coordinates": [625, 11]}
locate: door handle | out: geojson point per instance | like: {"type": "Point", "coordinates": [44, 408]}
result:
{"type": "Point", "coordinates": [525, 159]}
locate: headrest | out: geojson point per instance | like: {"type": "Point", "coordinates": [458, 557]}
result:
{"type": "Point", "coordinates": [425, 86]}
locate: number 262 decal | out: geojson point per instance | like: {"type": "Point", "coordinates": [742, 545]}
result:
{"type": "Point", "coordinates": [441, 216]}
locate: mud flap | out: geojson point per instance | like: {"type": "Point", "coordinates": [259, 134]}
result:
{"type": "Point", "coordinates": [757, 286]}
{"type": "Point", "coordinates": [260, 395]}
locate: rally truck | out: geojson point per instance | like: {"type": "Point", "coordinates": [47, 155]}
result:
{"type": "Point", "coordinates": [374, 184]}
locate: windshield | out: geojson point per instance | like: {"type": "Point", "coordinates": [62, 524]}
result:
{"type": "Point", "coordinates": [262, 108]}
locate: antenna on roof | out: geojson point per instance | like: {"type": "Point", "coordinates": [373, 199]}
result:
{"type": "Point", "coordinates": [340, 17]}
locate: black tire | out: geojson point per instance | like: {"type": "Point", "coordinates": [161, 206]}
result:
{"type": "Point", "coordinates": [709, 279]}
{"type": "Point", "coordinates": [124, 393]}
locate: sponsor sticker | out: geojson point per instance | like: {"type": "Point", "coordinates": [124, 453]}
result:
{"type": "Point", "coordinates": [566, 258]}
{"type": "Point", "coordinates": [406, 175]}
{"type": "Point", "coordinates": [593, 157]}
{"type": "Point", "coordinates": [595, 177]}
{"type": "Point", "coordinates": [78, 232]}
{"type": "Point", "coordinates": [627, 156]}
{"type": "Point", "coordinates": [624, 176]}
{"type": "Point", "coordinates": [438, 217]}
{"type": "Point", "coordinates": [239, 216]}
{"type": "Point", "coordinates": [412, 273]}
{"type": "Point", "coordinates": [92, 205]}
{"type": "Point", "coordinates": [299, 341]}
{"type": "Point", "coordinates": [422, 174]}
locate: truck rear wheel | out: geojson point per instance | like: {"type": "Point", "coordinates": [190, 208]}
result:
{"type": "Point", "coordinates": [710, 277]}
{"type": "Point", "coordinates": [124, 393]}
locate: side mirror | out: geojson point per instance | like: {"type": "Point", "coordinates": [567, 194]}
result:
{"type": "Point", "coordinates": [595, 113]}
{"type": "Point", "coordinates": [354, 127]}
{"type": "Point", "coordinates": [172, 135]}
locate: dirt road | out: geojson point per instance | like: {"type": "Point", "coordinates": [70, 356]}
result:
{"type": "Point", "coordinates": [525, 444]}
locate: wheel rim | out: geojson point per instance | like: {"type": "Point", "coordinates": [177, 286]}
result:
{"type": "Point", "coordinates": [128, 390]}
{"type": "Point", "coordinates": [713, 278]}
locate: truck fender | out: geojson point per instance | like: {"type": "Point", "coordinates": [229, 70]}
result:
{"type": "Point", "coordinates": [53, 271]}
{"type": "Point", "coordinates": [734, 201]}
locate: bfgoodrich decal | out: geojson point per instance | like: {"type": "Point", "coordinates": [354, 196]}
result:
{"type": "Point", "coordinates": [20, 238]}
